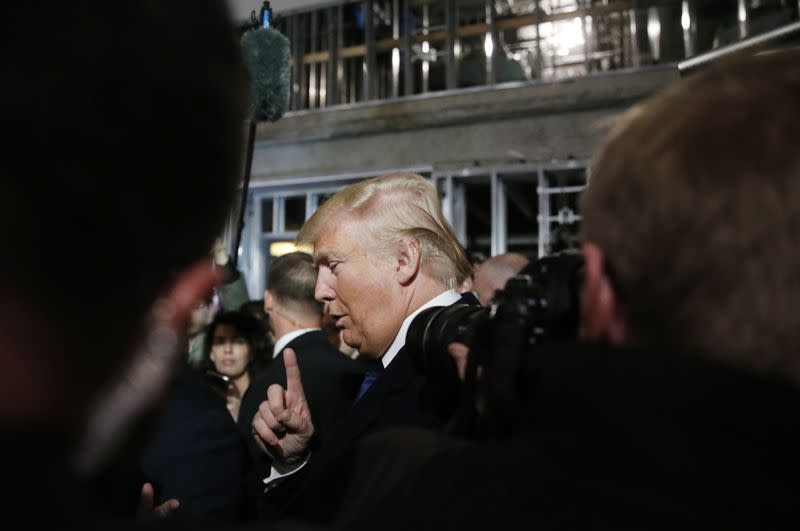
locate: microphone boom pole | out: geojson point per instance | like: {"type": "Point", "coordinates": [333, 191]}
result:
{"type": "Point", "coordinates": [248, 167]}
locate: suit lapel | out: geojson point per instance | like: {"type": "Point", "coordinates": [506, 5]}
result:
{"type": "Point", "coordinates": [368, 409]}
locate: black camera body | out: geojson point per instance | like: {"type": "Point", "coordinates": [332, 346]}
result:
{"type": "Point", "coordinates": [539, 304]}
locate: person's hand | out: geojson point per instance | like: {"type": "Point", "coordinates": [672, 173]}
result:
{"type": "Point", "coordinates": [282, 427]}
{"type": "Point", "coordinates": [459, 352]}
{"type": "Point", "coordinates": [147, 511]}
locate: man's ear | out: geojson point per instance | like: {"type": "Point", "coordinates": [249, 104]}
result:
{"type": "Point", "coordinates": [141, 385]}
{"type": "Point", "coordinates": [602, 315]}
{"type": "Point", "coordinates": [408, 261]}
{"type": "Point", "coordinates": [269, 301]}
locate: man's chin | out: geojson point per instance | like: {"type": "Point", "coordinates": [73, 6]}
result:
{"type": "Point", "coordinates": [354, 343]}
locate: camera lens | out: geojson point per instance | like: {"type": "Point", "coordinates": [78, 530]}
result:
{"type": "Point", "coordinates": [434, 329]}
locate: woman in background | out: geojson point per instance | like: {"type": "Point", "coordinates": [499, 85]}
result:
{"type": "Point", "coordinates": [230, 346]}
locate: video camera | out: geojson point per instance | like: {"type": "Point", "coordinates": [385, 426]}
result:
{"type": "Point", "coordinates": [539, 304]}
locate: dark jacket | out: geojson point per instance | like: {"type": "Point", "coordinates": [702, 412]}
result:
{"type": "Point", "coordinates": [197, 454]}
{"type": "Point", "coordinates": [394, 400]}
{"type": "Point", "coordinates": [608, 439]}
{"type": "Point", "coordinates": [391, 402]}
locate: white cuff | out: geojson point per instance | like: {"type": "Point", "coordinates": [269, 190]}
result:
{"type": "Point", "coordinates": [274, 475]}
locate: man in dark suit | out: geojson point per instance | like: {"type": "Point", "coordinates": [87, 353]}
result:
{"type": "Point", "coordinates": [330, 378]}
{"type": "Point", "coordinates": [678, 410]}
{"type": "Point", "coordinates": [384, 253]}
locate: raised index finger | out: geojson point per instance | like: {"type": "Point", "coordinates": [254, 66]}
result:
{"type": "Point", "coordinates": [294, 385]}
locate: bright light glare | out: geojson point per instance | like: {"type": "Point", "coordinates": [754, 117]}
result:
{"type": "Point", "coordinates": [685, 20]}
{"type": "Point", "coordinates": [527, 33]}
{"type": "Point", "coordinates": [566, 36]}
{"type": "Point", "coordinates": [282, 248]}
{"type": "Point", "coordinates": [488, 45]}
{"type": "Point", "coordinates": [653, 27]}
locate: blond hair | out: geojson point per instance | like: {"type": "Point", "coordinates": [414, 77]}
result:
{"type": "Point", "coordinates": [396, 208]}
{"type": "Point", "coordinates": [702, 235]}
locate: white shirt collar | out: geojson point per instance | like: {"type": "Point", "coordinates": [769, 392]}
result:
{"type": "Point", "coordinates": [284, 340]}
{"type": "Point", "coordinates": [443, 299]}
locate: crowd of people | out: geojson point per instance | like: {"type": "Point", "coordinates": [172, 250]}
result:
{"type": "Point", "coordinates": [127, 401]}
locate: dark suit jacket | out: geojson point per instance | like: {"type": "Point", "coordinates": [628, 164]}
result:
{"type": "Point", "coordinates": [394, 400]}
{"type": "Point", "coordinates": [197, 454]}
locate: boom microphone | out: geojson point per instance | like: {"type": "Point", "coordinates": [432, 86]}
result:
{"type": "Point", "coordinates": [266, 56]}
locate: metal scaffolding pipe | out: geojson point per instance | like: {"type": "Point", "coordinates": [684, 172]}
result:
{"type": "Point", "coordinates": [752, 42]}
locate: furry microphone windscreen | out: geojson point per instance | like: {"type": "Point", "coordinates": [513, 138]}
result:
{"type": "Point", "coordinates": [266, 55]}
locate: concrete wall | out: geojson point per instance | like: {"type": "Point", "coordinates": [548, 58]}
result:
{"type": "Point", "coordinates": [532, 121]}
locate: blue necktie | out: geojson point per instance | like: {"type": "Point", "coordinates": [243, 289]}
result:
{"type": "Point", "coordinates": [370, 377]}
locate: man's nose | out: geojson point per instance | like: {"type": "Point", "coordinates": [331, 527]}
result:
{"type": "Point", "coordinates": [323, 292]}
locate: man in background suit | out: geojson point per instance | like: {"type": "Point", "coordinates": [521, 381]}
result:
{"type": "Point", "coordinates": [384, 253]}
{"type": "Point", "coordinates": [330, 378]}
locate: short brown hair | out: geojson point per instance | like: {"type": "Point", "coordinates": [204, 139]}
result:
{"type": "Point", "coordinates": [695, 200]}
{"type": "Point", "coordinates": [399, 206]}
{"type": "Point", "coordinates": [292, 279]}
